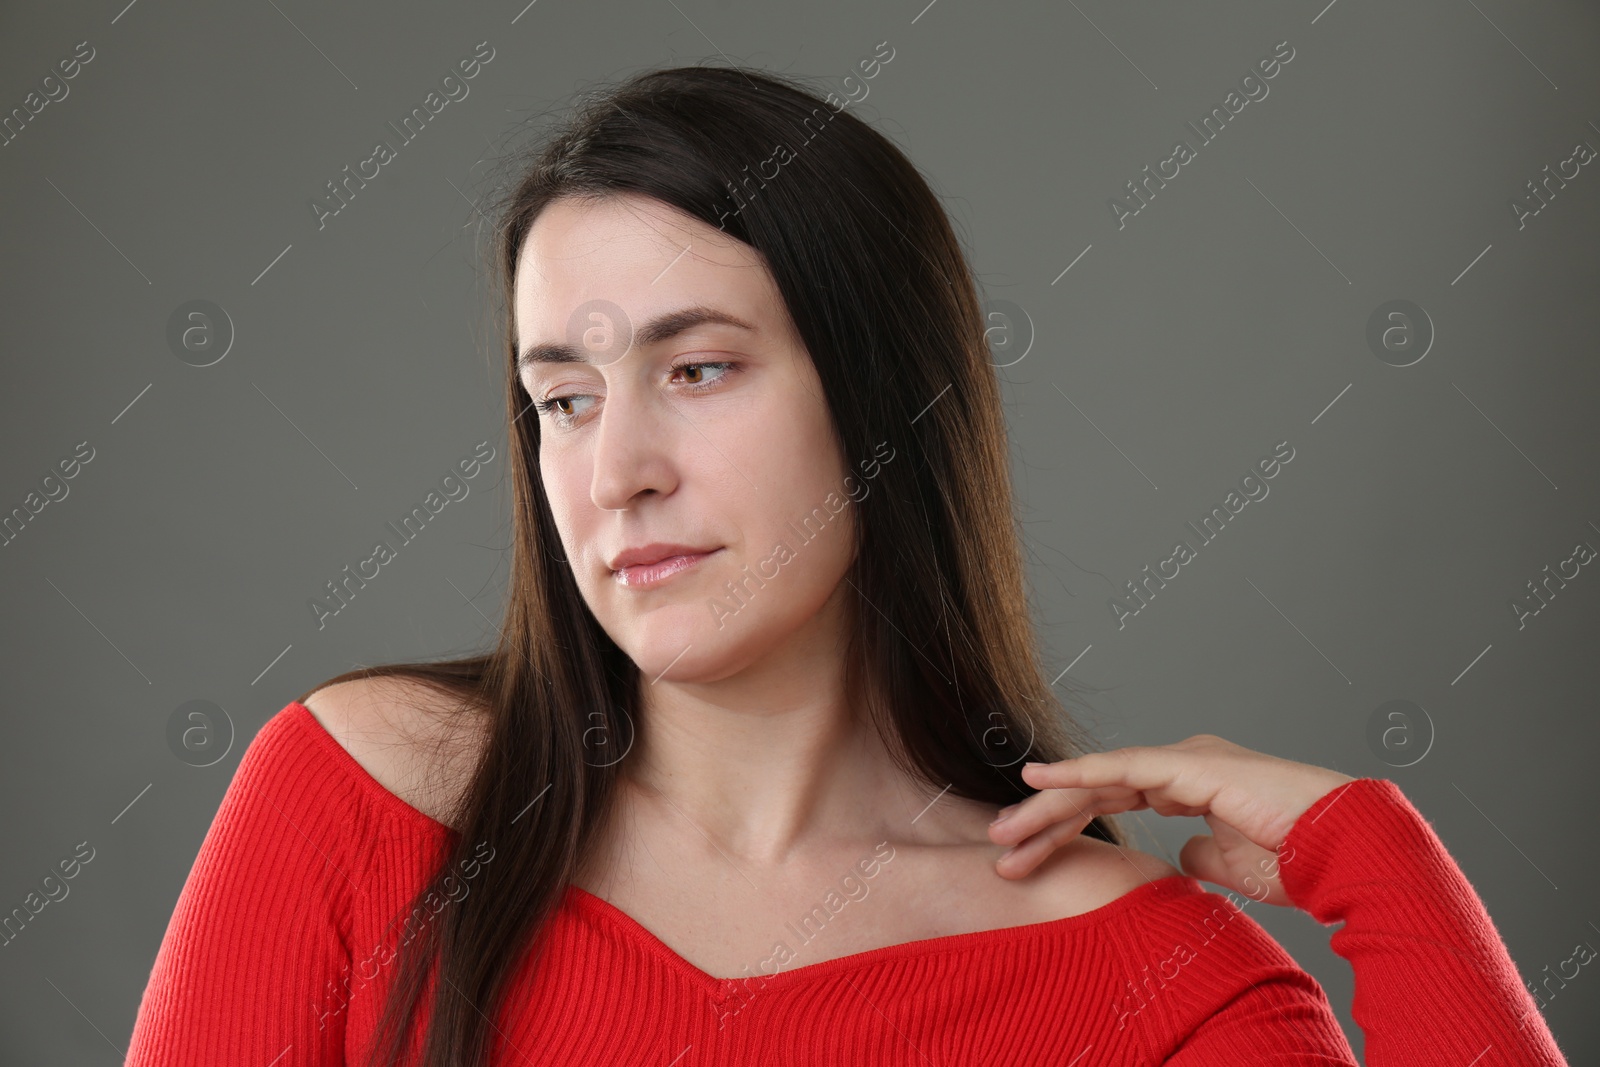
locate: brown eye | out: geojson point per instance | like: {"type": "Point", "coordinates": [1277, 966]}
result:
{"type": "Point", "coordinates": [699, 380]}
{"type": "Point", "coordinates": [559, 408]}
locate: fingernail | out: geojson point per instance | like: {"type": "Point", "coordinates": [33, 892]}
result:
{"type": "Point", "coordinates": [1025, 766]}
{"type": "Point", "coordinates": [1004, 814]}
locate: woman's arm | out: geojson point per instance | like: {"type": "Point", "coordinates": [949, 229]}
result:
{"type": "Point", "coordinates": [1434, 983]}
{"type": "Point", "coordinates": [253, 957]}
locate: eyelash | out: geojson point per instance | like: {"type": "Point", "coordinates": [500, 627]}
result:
{"type": "Point", "coordinates": [548, 407]}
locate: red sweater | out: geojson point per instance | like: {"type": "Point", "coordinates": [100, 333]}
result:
{"type": "Point", "coordinates": [276, 955]}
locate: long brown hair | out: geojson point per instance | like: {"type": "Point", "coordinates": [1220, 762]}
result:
{"type": "Point", "coordinates": [881, 293]}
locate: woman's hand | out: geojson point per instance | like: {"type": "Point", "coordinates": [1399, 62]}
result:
{"type": "Point", "coordinates": [1249, 799]}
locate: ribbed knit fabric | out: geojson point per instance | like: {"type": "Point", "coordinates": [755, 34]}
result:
{"type": "Point", "coordinates": [279, 951]}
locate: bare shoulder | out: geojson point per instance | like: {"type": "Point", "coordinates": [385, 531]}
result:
{"type": "Point", "coordinates": [1102, 872]}
{"type": "Point", "coordinates": [413, 740]}
{"type": "Point", "coordinates": [1082, 876]}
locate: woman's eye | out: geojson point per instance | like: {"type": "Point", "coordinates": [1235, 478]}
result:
{"type": "Point", "coordinates": [697, 370]}
{"type": "Point", "coordinates": [561, 408]}
{"type": "Point", "coordinates": [566, 409]}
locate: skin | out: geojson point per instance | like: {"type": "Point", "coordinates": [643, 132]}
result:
{"type": "Point", "coordinates": [751, 780]}
{"type": "Point", "coordinates": [745, 725]}
{"type": "Point", "coordinates": [1249, 799]}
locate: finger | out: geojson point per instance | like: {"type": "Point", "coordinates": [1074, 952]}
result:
{"type": "Point", "coordinates": [1161, 768]}
{"type": "Point", "coordinates": [1255, 869]}
{"type": "Point", "coordinates": [1021, 861]}
{"type": "Point", "coordinates": [1201, 858]}
{"type": "Point", "coordinates": [1055, 805]}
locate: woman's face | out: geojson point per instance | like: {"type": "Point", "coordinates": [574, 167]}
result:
{"type": "Point", "coordinates": [660, 425]}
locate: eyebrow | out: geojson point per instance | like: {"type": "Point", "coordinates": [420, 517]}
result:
{"type": "Point", "coordinates": [661, 328]}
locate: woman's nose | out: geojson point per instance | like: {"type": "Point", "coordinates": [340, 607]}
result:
{"type": "Point", "coordinates": [632, 450]}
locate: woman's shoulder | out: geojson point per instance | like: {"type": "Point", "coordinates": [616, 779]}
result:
{"type": "Point", "coordinates": [1088, 875]}
{"type": "Point", "coordinates": [1083, 876]}
{"type": "Point", "coordinates": [414, 742]}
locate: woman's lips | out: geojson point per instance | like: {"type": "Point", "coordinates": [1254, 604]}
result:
{"type": "Point", "coordinates": [650, 575]}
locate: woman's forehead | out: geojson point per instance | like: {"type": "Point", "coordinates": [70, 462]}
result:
{"type": "Point", "coordinates": [643, 257]}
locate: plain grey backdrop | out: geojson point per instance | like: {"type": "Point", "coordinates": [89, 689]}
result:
{"type": "Point", "coordinates": [1439, 154]}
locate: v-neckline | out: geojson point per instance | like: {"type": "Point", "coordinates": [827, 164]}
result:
{"type": "Point", "coordinates": [603, 909]}
{"type": "Point", "coordinates": [1171, 885]}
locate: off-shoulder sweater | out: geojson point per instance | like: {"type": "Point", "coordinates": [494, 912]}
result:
{"type": "Point", "coordinates": [280, 948]}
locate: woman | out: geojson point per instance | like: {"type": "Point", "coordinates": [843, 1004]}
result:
{"type": "Point", "coordinates": [723, 792]}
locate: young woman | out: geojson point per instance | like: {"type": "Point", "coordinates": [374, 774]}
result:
{"type": "Point", "coordinates": [723, 792]}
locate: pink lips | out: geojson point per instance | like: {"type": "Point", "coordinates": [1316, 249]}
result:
{"type": "Point", "coordinates": [650, 575]}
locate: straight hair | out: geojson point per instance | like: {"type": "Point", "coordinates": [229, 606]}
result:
{"type": "Point", "coordinates": [941, 651]}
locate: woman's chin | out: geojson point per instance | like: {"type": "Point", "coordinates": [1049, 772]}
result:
{"type": "Point", "coordinates": [683, 654]}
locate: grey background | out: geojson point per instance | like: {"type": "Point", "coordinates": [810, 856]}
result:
{"type": "Point", "coordinates": [1225, 317]}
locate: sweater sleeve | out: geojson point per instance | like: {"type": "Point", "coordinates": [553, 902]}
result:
{"type": "Point", "coordinates": [257, 936]}
{"type": "Point", "coordinates": [1434, 982]}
